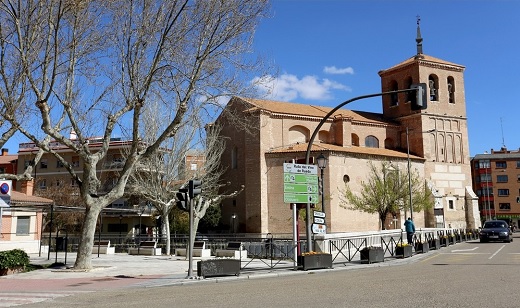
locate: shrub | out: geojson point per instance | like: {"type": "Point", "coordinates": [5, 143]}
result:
{"type": "Point", "coordinates": [13, 258]}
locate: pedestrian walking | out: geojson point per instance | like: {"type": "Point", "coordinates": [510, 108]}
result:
{"type": "Point", "coordinates": [410, 230]}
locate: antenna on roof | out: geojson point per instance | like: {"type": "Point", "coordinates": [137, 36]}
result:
{"type": "Point", "coordinates": [502, 129]}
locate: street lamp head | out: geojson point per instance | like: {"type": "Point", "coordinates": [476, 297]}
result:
{"type": "Point", "coordinates": [322, 161]}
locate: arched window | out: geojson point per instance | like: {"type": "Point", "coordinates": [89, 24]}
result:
{"type": "Point", "coordinates": [371, 142]}
{"type": "Point", "coordinates": [394, 97]}
{"type": "Point", "coordinates": [451, 90]}
{"type": "Point", "coordinates": [324, 136]}
{"type": "Point", "coordinates": [299, 134]}
{"type": "Point", "coordinates": [355, 140]}
{"type": "Point", "coordinates": [409, 95]}
{"type": "Point", "coordinates": [433, 86]}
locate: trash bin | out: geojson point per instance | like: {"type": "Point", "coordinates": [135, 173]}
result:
{"type": "Point", "coordinates": [61, 243]}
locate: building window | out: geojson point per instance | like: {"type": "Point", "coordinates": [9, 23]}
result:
{"type": "Point", "coordinates": [451, 90]}
{"type": "Point", "coordinates": [371, 142]}
{"type": "Point", "coordinates": [504, 206]}
{"type": "Point", "coordinates": [483, 164]}
{"type": "Point", "coordinates": [75, 161]}
{"type": "Point", "coordinates": [501, 164]}
{"type": "Point", "coordinates": [502, 178]}
{"type": "Point", "coordinates": [193, 167]}
{"type": "Point", "coordinates": [2, 170]}
{"type": "Point", "coordinates": [42, 184]}
{"type": "Point", "coordinates": [43, 164]}
{"type": "Point", "coordinates": [486, 177]}
{"type": "Point", "coordinates": [451, 205]}
{"type": "Point", "coordinates": [73, 183]}
{"type": "Point", "coordinates": [503, 192]}
{"type": "Point", "coordinates": [23, 224]}
{"type": "Point", "coordinates": [355, 140]}
{"type": "Point", "coordinates": [518, 163]}
{"type": "Point", "coordinates": [59, 164]}
{"type": "Point", "coordinates": [394, 97]}
{"type": "Point", "coordinates": [433, 85]}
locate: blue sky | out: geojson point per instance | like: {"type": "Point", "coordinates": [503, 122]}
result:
{"type": "Point", "coordinates": [329, 51]}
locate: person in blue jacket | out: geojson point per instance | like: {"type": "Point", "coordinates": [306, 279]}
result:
{"type": "Point", "coordinates": [410, 230]}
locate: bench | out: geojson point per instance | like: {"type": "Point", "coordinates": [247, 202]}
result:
{"type": "Point", "coordinates": [103, 247]}
{"type": "Point", "coordinates": [148, 248]}
{"type": "Point", "coordinates": [233, 250]}
{"type": "Point", "coordinates": [199, 250]}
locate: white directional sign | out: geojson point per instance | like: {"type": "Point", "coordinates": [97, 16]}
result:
{"type": "Point", "coordinates": [300, 168]}
{"type": "Point", "coordinates": [319, 228]}
{"type": "Point", "coordinates": [5, 193]}
{"type": "Point", "coordinates": [300, 183]}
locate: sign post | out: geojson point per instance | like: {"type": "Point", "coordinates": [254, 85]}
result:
{"type": "Point", "coordinates": [5, 197]}
{"type": "Point", "coordinates": [300, 185]}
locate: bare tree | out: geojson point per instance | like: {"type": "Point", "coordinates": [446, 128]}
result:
{"type": "Point", "coordinates": [386, 191]}
{"type": "Point", "coordinates": [91, 66]}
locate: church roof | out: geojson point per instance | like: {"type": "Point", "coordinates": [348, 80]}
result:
{"type": "Point", "coordinates": [318, 147]}
{"type": "Point", "coordinates": [314, 111]}
{"type": "Point", "coordinates": [424, 59]}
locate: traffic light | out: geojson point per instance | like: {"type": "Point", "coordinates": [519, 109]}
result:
{"type": "Point", "coordinates": [419, 100]}
{"type": "Point", "coordinates": [194, 188]}
{"type": "Point", "coordinates": [182, 199]}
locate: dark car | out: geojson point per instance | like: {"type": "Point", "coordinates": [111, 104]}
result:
{"type": "Point", "coordinates": [496, 230]}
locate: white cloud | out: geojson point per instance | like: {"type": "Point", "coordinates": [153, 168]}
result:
{"type": "Point", "coordinates": [289, 87]}
{"type": "Point", "coordinates": [338, 71]}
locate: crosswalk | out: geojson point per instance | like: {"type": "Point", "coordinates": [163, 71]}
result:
{"type": "Point", "coordinates": [12, 299]}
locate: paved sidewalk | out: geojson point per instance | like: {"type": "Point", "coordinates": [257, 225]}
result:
{"type": "Point", "coordinates": [130, 271]}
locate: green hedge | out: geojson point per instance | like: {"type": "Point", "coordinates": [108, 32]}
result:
{"type": "Point", "coordinates": [13, 258]}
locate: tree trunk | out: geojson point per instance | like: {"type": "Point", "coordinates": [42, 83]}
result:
{"type": "Point", "coordinates": [166, 228]}
{"type": "Point", "coordinates": [86, 241]}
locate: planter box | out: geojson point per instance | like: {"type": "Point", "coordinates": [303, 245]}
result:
{"type": "Point", "coordinates": [403, 251]}
{"type": "Point", "coordinates": [422, 247]}
{"type": "Point", "coordinates": [372, 255]}
{"type": "Point", "coordinates": [317, 261]}
{"type": "Point", "coordinates": [435, 244]}
{"type": "Point", "coordinates": [218, 267]}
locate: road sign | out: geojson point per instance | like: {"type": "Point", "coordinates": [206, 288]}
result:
{"type": "Point", "coordinates": [300, 178]}
{"type": "Point", "coordinates": [300, 188]}
{"type": "Point", "coordinates": [319, 214]}
{"type": "Point", "coordinates": [300, 198]}
{"type": "Point", "coordinates": [318, 220]}
{"type": "Point", "coordinates": [319, 228]}
{"type": "Point", "coordinates": [300, 183]}
{"type": "Point", "coordinates": [300, 168]}
{"type": "Point", "coordinates": [5, 193]}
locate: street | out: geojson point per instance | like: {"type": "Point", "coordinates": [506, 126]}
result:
{"type": "Point", "coordinates": [470, 274]}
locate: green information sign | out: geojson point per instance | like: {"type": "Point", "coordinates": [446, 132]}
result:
{"type": "Point", "coordinates": [300, 178]}
{"type": "Point", "coordinates": [300, 188]}
{"type": "Point", "coordinates": [300, 198]}
{"type": "Point", "coordinates": [300, 183]}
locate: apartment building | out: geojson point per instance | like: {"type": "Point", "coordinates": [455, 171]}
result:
{"type": "Point", "coordinates": [122, 217]}
{"type": "Point", "coordinates": [278, 132]}
{"type": "Point", "coordinates": [496, 181]}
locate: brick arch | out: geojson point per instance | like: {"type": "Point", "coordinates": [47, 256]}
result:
{"type": "Point", "coordinates": [298, 133]}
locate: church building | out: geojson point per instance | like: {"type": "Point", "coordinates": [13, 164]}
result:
{"type": "Point", "coordinates": [432, 141]}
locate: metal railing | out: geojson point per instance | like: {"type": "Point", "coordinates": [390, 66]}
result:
{"type": "Point", "coordinates": [269, 252]}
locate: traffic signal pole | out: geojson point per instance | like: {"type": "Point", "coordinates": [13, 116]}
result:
{"type": "Point", "coordinates": [420, 89]}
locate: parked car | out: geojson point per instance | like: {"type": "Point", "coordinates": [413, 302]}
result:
{"type": "Point", "coordinates": [496, 230]}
